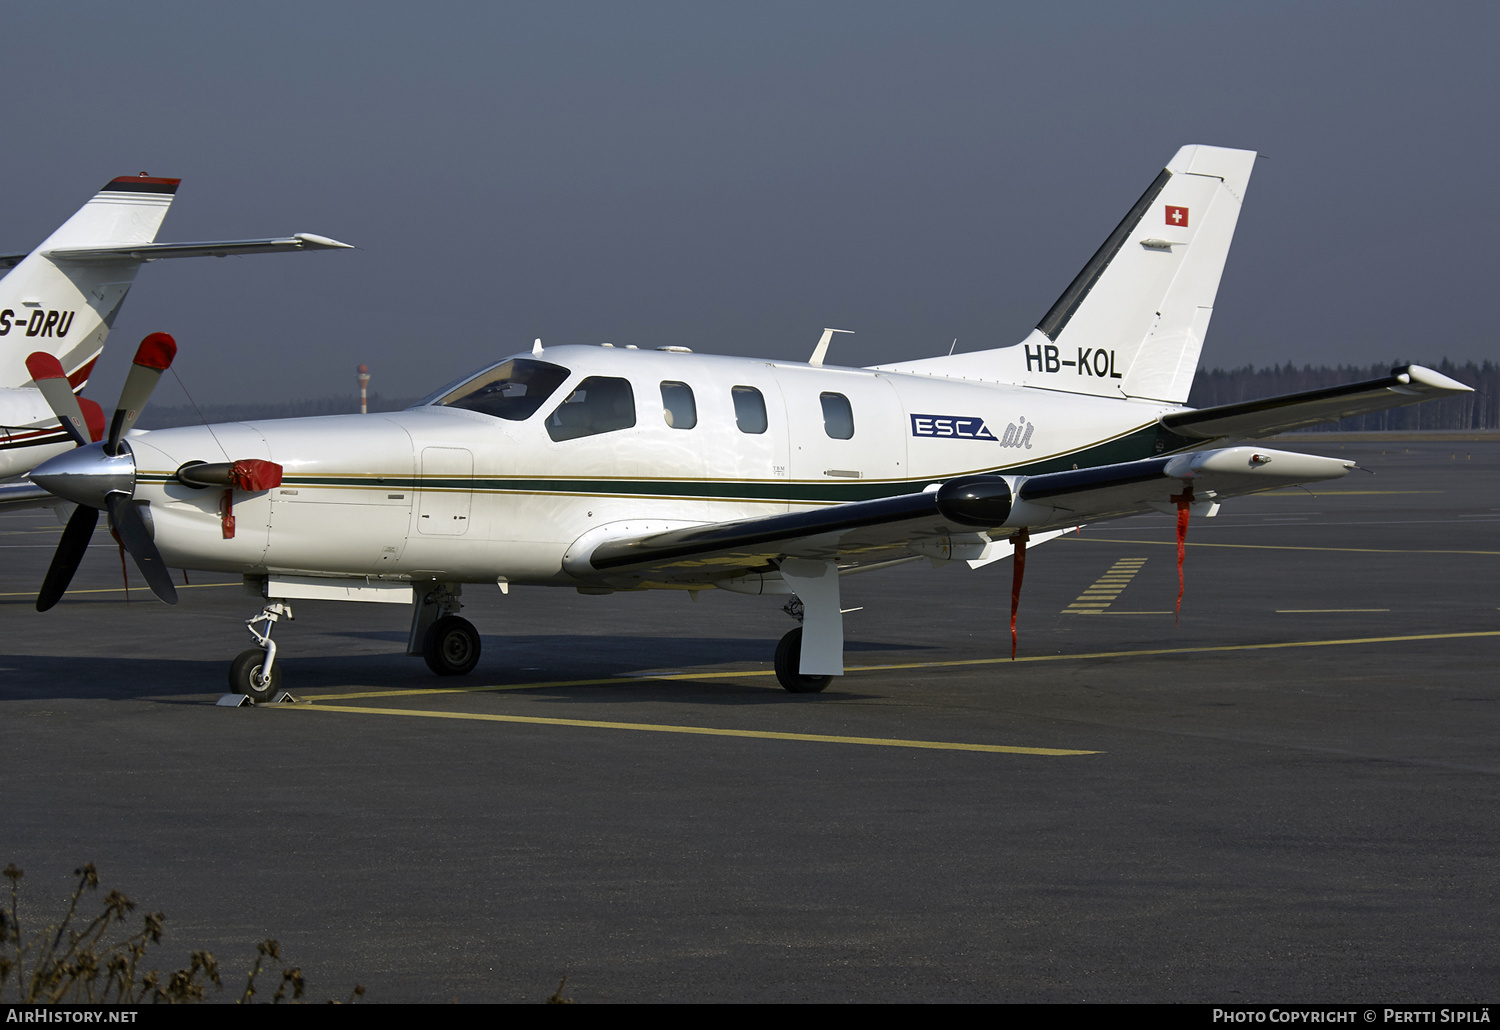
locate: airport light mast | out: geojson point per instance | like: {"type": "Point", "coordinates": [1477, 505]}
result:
{"type": "Point", "coordinates": [362, 376]}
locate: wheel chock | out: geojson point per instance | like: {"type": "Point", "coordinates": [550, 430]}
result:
{"type": "Point", "coordinates": [246, 701]}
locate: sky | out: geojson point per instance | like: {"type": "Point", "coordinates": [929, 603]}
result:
{"type": "Point", "coordinates": [734, 177]}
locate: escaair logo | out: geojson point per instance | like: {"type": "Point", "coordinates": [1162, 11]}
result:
{"type": "Point", "coordinates": [959, 426]}
{"type": "Point", "coordinates": [971, 428]}
{"type": "Point", "coordinates": [967, 427]}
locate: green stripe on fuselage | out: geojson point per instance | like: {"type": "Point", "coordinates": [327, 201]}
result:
{"type": "Point", "coordinates": [1145, 442]}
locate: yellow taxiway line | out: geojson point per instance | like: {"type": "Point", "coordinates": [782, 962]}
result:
{"type": "Point", "coordinates": [141, 588]}
{"type": "Point", "coordinates": [708, 731]}
{"type": "Point", "coordinates": [1270, 547]}
{"type": "Point", "coordinates": [319, 704]}
{"type": "Point", "coordinates": [604, 681]}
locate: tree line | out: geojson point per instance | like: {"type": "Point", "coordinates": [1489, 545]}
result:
{"type": "Point", "coordinates": [1477, 410]}
{"type": "Point", "coordinates": [1212, 386]}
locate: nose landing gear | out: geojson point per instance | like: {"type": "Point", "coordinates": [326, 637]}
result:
{"type": "Point", "coordinates": [255, 672]}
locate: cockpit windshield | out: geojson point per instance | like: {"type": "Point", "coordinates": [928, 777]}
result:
{"type": "Point", "coordinates": [512, 390]}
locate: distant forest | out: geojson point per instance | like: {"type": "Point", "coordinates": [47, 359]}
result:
{"type": "Point", "coordinates": [1477, 410]}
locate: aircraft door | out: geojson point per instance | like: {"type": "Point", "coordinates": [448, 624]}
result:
{"type": "Point", "coordinates": [846, 428]}
{"type": "Point", "coordinates": [447, 491]}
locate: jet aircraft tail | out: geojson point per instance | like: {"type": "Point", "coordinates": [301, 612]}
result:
{"type": "Point", "coordinates": [51, 303]}
{"type": "Point", "coordinates": [1132, 323]}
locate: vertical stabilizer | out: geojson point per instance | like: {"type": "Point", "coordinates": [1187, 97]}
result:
{"type": "Point", "coordinates": [1132, 322]}
{"type": "Point", "coordinates": [66, 308]}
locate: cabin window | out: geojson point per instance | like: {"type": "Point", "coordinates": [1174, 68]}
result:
{"type": "Point", "coordinates": [677, 405]}
{"type": "Point", "coordinates": [749, 409]}
{"type": "Point", "coordinates": [838, 416]}
{"type": "Point", "coordinates": [600, 404]}
{"type": "Point", "coordinates": [512, 390]}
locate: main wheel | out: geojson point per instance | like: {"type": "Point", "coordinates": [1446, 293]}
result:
{"type": "Point", "coordinates": [788, 659]}
{"type": "Point", "coordinates": [451, 647]}
{"type": "Point", "coordinates": [245, 676]}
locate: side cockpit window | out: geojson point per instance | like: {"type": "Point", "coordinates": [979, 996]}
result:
{"type": "Point", "coordinates": [512, 390]}
{"type": "Point", "coordinates": [749, 409]}
{"type": "Point", "coordinates": [600, 404]}
{"type": "Point", "coordinates": [678, 406]}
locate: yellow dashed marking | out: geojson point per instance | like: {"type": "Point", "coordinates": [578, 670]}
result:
{"type": "Point", "coordinates": [1106, 588]}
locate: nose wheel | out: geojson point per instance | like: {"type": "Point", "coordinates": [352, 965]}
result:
{"type": "Point", "coordinates": [247, 676]}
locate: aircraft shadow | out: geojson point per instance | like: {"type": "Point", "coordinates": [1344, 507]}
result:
{"type": "Point", "coordinates": [521, 659]}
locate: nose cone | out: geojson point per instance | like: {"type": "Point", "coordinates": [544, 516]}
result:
{"type": "Point", "coordinates": [86, 474]}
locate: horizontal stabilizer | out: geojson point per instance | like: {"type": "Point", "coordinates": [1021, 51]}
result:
{"type": "Point", "coordinates": [1249, 420]}
{"type": "Point", "coordinates": [220, 248]}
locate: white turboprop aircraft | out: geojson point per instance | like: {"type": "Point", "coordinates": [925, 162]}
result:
{"type": "Point", "coordinates": [607, 468]}
{"type": "Point", "coordinates": [61, 300]}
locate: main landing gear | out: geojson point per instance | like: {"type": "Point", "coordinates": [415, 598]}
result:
{"type": "Point", "coordinates": [789, 658]}
{"type": "Point", "coordinates": [448, 644]}
{"type": "Point", "coordinates": [808, 657]}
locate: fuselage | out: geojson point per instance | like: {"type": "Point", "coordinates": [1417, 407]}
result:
{"type": "Point", "coordinates": [668, 439]}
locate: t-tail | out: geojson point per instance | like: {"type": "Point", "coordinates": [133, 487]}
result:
{"type": "Point", "coordinates": [65, 308]}
{"type": "Point", "coordinates": [62, 297]}
{"type": "Point", "coordinates": [1132, 323]}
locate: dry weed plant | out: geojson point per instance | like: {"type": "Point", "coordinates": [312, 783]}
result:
{"type": "Point", "coordinates": [73, 962]}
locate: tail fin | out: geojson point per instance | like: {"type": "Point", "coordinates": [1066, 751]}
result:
{"type": "Point", "coordinates": [66, 308]}
{"type": "Point", "coordinates": [1132, 323]}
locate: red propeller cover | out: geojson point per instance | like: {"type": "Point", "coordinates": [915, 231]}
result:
{"type": "Point", "coordinates": [156, 351]}
{"type": "Point", "coordinates": [253, 474]}
{"type": "Point", "coordinates": [42, 365]}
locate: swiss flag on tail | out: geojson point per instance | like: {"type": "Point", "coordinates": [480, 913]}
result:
{"type": "Point", "coordinates": [1176, 215]}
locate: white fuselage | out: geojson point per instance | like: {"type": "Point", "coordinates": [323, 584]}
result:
{"type": "Point", "coordinates": [449, 494]}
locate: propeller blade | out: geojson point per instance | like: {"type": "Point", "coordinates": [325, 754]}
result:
{"type": "Point", "coordinates": [47, 372]}
{"type": "Point", "coordinates": [75, 540]}
{"type": "Point", "coordinates": [152, 358]}
{"type": "Point", "coordinates": [132, 531]}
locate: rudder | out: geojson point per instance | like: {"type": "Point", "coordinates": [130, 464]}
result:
{"type": "Point", "coordinates": [1132, 322]}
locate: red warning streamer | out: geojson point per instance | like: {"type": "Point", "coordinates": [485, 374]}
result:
{"type": "Point", "coordinates": [1184, 501]}
{"type": "Point", "coordinates": [1018, 567]}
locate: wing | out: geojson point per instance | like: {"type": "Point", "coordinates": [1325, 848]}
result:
{"type": "Point", "coordinates": [961, 518]}
{"type": "Point", "coordinates": [221, 248]}
{"type": "Point", "coordinates": [23, 494]}
{"type": "Point", "coordinates": [1250, 420]}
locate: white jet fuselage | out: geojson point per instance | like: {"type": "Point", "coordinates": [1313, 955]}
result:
{"type": "Point", "coordinates": [443, 493]}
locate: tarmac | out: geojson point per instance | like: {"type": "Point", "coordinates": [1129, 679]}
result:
{"type": "Point", "coordinates": [1286, 795]}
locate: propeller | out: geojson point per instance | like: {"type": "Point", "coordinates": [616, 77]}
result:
{"type": "Point", "coordinates": [101, 476]}
{"type": "Point", "coordinates": [71, 410]}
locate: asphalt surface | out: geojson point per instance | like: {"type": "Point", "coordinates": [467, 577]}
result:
{"type": "Point", "coordinates": [1289, 796]}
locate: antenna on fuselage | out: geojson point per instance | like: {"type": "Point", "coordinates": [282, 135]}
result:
{"type": "Point", "coordinates": [536, 348]}
{"type": "Point", "coordinates": [821, 350]}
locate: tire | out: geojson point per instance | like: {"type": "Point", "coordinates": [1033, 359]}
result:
{"type": "Point", "coordinates": [788, 659]}
{"type": "Point", "coordinates": [451, 647]}
{"type": "Point", "coordinates": [244, 672]}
